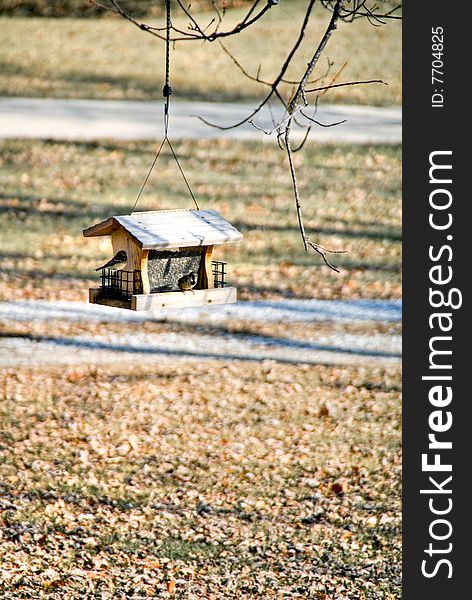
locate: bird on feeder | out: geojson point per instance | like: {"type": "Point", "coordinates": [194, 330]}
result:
{"type": "Point", "coordinates": [117, 262]}
{"type": "Point", "coordinates": [187, 282]}
{"type": "Point", "coordinates": [169, 253]}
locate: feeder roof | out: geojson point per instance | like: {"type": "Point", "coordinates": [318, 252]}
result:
{"type": "Point", "coordinates": [170, 228]}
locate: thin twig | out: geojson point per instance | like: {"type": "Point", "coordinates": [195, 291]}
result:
{"type": "Point", "coordinates": [276, 81]}
{"type": "Point", "coordinates": [295, 187]}
{"type": "Point", "coordinates": [336, 85]}
{"type": "Point", "coordinates": [321, 250]}
{"type": "Point", "coordinates": [319, 122]}
{"type": "Point", "coordinates": [187, 35]}
{"type": "Point", "coordinates": [256, 77]}
{"type": "Point", "coordinates": [302, 143]}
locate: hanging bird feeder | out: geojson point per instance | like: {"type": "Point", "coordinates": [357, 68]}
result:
{"type": "Point", "coordinates": [163, 259]}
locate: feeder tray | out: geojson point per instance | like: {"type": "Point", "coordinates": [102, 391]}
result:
{"type": "Point", "coordinates": [162, 247]}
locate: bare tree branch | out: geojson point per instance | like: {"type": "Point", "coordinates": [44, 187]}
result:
{"type": "Point", "coordinates": [277, 80]}
{"type": "Point", "coordinates": [319, 122]}
{"type": "Point", "coordinates": [306, 240]}
{"type": "Point", "coordinates": [295, 106]}
{"type": "Point", "coordinates": [311, 65]}
{"type": "Point", "coordinates": [244, 24]}
{"type": "Point", "coordinates": [360, 10]}
{"type": "Point", "coordinates": [256, 77]}
{"type": "Point", "coordinates": [196, 32]}
{"type": "Point", "coordinates": [336, 85]}
{"type": "Point", "coordinates": [303, 142]}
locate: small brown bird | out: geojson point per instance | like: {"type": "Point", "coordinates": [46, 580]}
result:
{"type": "Point", "coordinates": [187, 282]}
{"type": "Point", "coordinates": [117, 262]}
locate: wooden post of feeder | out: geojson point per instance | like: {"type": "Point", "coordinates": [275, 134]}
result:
{"type": "Point", "coordinates": [205, 272]}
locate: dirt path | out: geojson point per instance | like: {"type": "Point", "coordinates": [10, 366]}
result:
{"type": "Point", "coordinates": [99, 119]}
{"type": "Point", "coordinates": [296, 331]}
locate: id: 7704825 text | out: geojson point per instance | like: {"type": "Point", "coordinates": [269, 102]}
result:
{"type": "Point", "coordinates": [437, 67]}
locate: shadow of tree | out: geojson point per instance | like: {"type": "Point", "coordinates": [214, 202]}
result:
{"type": "Point", "coordinates": [264, 342]}
{"type": "Point", "coordinates": [374, 234]}
{"type": "Point", "coordinates": [133, 87]}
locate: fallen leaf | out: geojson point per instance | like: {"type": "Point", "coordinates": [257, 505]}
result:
{"type": "Point", "coordinates": [171, 587]}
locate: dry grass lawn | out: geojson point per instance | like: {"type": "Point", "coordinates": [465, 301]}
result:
{"type": "Point", "coordinates": [200, 481]}
{"type": "Point", "coordinates": [110, 58]}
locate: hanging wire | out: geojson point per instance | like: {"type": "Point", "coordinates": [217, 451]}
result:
{"type": "Point", "coordinates": [148, 175]}
{"type": "Point", "coordinates": [182, 171]}
{"type": "Point", "coordinates": [167, 92]}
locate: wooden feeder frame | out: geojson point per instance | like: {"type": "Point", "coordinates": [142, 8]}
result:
{"type": "Point", "coordinates": [140, 233]}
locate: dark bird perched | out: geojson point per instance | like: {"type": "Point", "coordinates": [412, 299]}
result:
{"type": "Point", "coordinates": [117, 262]}
{"type": "Point", "coordinates": [187, 282]}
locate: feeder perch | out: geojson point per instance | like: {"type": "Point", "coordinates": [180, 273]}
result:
{"type": "Point", "coordinates": [161, 248]}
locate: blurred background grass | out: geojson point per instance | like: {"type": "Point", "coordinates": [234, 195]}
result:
{"type": "Point", "coordinates": [84, 8]}
{"type": "Point", "coordinates": [111, 58]}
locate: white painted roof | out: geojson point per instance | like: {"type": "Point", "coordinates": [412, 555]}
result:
{"type": "Point", "coordinates": [171, 228]}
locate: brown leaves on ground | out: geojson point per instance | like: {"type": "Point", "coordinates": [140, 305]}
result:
{"type": "Point", "coordinates": [209, 480]}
